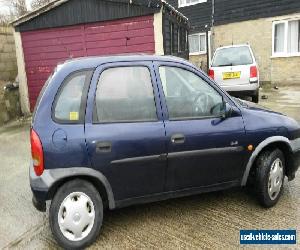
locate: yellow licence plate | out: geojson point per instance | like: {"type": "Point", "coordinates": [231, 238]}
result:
{"type": "Point", "coordinates": [231, 75]}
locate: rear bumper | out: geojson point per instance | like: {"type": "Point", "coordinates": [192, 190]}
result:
{"type": "Point", "coordinates": [39, 190]}
{"type": "Point", "coordinates": [241, 88]}
{"type": "Point", "coordinates": [241, 94]}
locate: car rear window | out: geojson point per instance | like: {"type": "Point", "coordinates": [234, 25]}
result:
{"type": "Point", "coordinates": [232, 57]}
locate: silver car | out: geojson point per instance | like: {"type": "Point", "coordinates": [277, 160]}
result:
{"type": "Point", "coordinates": [235, 69]}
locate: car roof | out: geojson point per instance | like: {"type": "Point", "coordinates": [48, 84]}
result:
{"type": "Point", "coordinates": [95, 61]}
{"type": "Point", "coordinates": [234, 46]}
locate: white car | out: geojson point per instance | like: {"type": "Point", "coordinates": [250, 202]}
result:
{"type": "Point", "coordinates": [235, 69]}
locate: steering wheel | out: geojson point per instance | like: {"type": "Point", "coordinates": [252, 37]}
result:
{"type": "Point", "coordinates": [201, 103]}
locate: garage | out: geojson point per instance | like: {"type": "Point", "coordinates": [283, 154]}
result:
{"type": "Point", "coordinates": [66, 29]}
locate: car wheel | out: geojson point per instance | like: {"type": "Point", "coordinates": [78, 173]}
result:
{"type": "Point", "coordinates": [255, 97]}
{"type": "Point", "coordinates": [270, 174]}
{"type": "Point", "coordinates": [76, 214]}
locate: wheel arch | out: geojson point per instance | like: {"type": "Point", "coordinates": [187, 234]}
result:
{"type": "Point", "coordinates": [280, 142]}
{"type": "Point", "coordinates": [96, 178]}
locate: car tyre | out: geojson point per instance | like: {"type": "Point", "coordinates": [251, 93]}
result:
{"type": "Point", "coordinates": [270, 173]}
{"type": "Point", "coordinates": [76, 214]}
{"type": "Point", "coordinates": [255, 97]}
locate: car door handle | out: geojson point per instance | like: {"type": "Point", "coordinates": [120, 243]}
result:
{"type": "Point", "coordinates": [178, 139]}
{"type": "Point", "coordinates": [103, 147]}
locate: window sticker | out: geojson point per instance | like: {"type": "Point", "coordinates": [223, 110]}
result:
{"type": "Point", "coordinates": [74, 116]}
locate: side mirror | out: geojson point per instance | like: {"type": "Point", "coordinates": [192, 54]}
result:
{"type": "Point", "coordinates": [226, 110]}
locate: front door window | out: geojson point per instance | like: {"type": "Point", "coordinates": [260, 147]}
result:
{"type": "Point", "coordinates": [188, 96]}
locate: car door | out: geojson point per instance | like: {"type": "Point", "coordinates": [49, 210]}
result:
{"type": "Point", "coordinates": [203, 147]}
{"type": "Point", "coordinates": [124, 129]}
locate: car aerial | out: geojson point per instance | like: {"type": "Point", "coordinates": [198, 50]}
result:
{"type": "Point", "coordinates": [235, 69]}
{"type": "Point", "coordinates": [110, 132]}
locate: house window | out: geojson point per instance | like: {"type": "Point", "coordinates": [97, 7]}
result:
{"type": "Point", "coordinates": [179, 40]}
{"type": "Point", "coordinates": [186, 40]}
{"type": "Point", "coordinates": [197, 43]}
{"type": "Point", "coordinates": [172, 37]}
{"type": "Point", "coordinates": [184, 3]}
{"type": "Point", "coordinates": [286, 38]}
{"type": "Point", "coordinates": [176, 39]}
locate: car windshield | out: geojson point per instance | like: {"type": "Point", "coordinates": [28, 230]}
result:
{"type": "Point", "coordinates": [240, 102]}
{"type": "Point", "coordinates": [232, 57]}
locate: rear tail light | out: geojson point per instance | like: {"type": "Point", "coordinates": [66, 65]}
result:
{"type": "Point", "coordinates": [253, 72]}
{"type": "Point", "coordinates": [37, 153]}
{"type": "Point", "coordinates": [211, 73]}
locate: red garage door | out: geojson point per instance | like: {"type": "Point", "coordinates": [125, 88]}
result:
{"type": "Point", "coordinates": [44, 49]}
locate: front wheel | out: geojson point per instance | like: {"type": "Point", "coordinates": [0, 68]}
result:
{"type": "Point", "coordinates": [270, 174]}
{"type": "Point", "coordinates": [76, 214]}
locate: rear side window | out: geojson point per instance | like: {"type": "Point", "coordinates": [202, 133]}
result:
{"type": "Point", "coordinates": [70, 102]}
{"type": "Point", "coordinates": [125, 94]}
{"type": "Point", "coordinates": [232, 57]}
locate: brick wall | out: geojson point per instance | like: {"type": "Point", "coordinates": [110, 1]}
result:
{"type": "Point", "coordinates": [285, 70]}
{"type": "Point", "coordinates": [8, 61]}
{"type": "Point", "coordinates": [200, 61]}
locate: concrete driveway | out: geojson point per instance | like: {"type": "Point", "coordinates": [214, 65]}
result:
{"type": "Point", "coordinates": [203, 221]}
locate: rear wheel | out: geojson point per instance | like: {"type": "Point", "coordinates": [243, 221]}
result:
{"type": "Point", "coordinates": [270, 174]}
{"type": "Point", "coordinates": [255, 97]}
{"type": "Point", "coordinates": [76, 214]}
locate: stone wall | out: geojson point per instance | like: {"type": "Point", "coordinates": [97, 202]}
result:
{"type": "Point", "coordinates": [9, 104]}
{"type": "Point", "coordinates": [9, 98]}
{"type": "Point", "coordinates": [8, 60]}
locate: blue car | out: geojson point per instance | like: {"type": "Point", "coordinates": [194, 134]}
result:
{"type": "Point", "coordinates": [110, 132]}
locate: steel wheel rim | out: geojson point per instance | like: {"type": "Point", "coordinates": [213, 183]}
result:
{"type": "Point", "coordinates": [275, 179]}
{"type": "Point", "coordinates": [76, 216]}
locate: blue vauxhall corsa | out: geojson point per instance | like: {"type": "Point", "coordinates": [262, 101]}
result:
{"type": "Point", "coordinates": [110, 132]}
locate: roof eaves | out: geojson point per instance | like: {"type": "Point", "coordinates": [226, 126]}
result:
{"type": "Point", "coordinates": [56, 3]}
{"type": "Point", "coordinates": [174, 10]}
{"type": "Point", "coordinates": [38, 12]}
